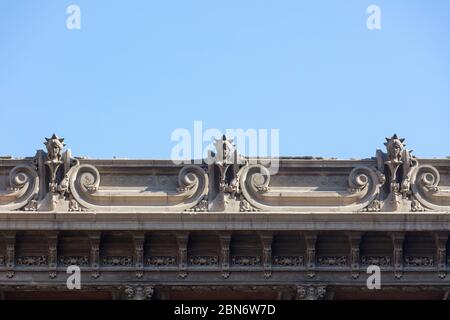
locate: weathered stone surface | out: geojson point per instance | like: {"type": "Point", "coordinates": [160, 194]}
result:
{"type": "Point", "coordinates": [139, 228]}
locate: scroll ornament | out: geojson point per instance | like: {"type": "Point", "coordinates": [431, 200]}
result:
{"type": "Point", "coordinates": [228, 182]}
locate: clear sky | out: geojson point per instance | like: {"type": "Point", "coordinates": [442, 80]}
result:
{"type": "Point", "coordinates": [138, 70]}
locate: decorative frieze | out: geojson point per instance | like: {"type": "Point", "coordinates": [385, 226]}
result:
{"type": "Point", "coordinates": [419, 261]}
{"type": "Point", "coordinates": [332, 261]}
{"type": "Point", "coordinates": [161, 261]}
{"type": "Point", "coordinates": [117, 261]}
{"type": "Point", "coordinates": [381, 261]}
{"type": "Point", "coordinates": [81, 261]}
{"type": "Point", "coordinates": [32, 261]}
{"type": "Point", "coordinates": [204, 261]}
{"type": "Point", "coordinates": [247, 261]}
{"type": "Point", "coordinates": [288, 261]}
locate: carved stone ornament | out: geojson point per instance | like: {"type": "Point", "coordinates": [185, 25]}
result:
{"type": "Point", "coordinates": [393, 181]}
{"type": "Point", "coordinates": [310, 292]}
{"type": "Point", "coordinates": [54, 147]}
{"type": "Point", "coordinates": [161, 261]}
{"type": "Point", "coordinates": [138, 292]}
{"type": "Point", "coordinates": [210, 261]}
{"type": "Point", "coordinates": [245, 260]}
{"type": "Point", "coordinates": [224, 166]}
{"type": "Point", "coordinates": [363, 185]}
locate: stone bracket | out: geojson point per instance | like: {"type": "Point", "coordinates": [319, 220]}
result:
{"type": "Point", "coordinates": [52, 239]}
{"type": "Point", "coordinates": [10, 240]}
{"type": "Point", "coordinates": [182, 242]}
{"type": "Point", "coordinates": [441, 239]}
{"type": "Point", "coordinates": [95, 239]}
{"type": "Point", "coordinates": [398, 239]}
{"type": "Point", "coordinates": [310, 240]}
{"type": "Point", "coordinates": [266, 242]}
{"type": "Point", "coordinates": [138, 241]}
{"type": "Point", "coordinates": [225, 240]}
{"type": "Point", "coordinates": [354, 239]}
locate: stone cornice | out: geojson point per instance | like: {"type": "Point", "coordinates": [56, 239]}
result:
{"type": "Point", "coordinates": [439, 221]}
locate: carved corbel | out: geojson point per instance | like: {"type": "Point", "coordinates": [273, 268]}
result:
{"type": "Point", "coordinates": [310, 292]}
{"type": "Point", "coordinates": [310, 240]}
{"type": "Point", "coordinates": [182, 241]}
{"type": "Point", "coordinates": [398, 239]}
{"type": "Point", "coordinates": [95, 239]}
{"type": "Point", "coordinates": [52, 239]}
{"type": "Point", "coordinates": [225, 240]}
{"type": "Point", "coordinates": [10, 240]}
{"type": "Point", "coordinates": [266, 242]}
{"type": "Point", "coordinates": [137, 292]}
{"type": "Point", "coordinates": [138, 241]}
{"type": "Point", "coordinates": [354, 241]}
{"type": "Point", "coordinates": [441, 239]}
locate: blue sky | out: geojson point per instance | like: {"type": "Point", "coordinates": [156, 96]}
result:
{"type": "Point", "coordinates": [137, 70]}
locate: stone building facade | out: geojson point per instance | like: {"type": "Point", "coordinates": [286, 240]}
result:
{"type": "Point", "coordinates": [224, 228]}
